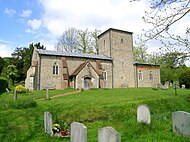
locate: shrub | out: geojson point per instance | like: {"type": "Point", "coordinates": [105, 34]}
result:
{"type": "Point", "coordinates": [184, 79]}
{"type": "Point", "coordinates": [3, 84]}
{"type": "Point", "coordinates": [20, 89]}
{"type": "Point", "coordinates": [22, 82]}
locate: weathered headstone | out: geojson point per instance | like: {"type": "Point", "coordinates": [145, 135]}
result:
{"type": "Point", "coordinates": [7, 91]}
{"type": "Point", "coordinates": [183, 86]}
{"type": "Point", "coordinates": [143, 114]}
{"type": "Point", "coordinates": [78, 132]}
{"type": "Point", "coordinates": [48, 122]}
{"type": "Point", "coordinates": [108, 134]}
{"type": "Point", "coordinates": [15, 95]}
{"type": "Point", "coordinates": [181, 122]}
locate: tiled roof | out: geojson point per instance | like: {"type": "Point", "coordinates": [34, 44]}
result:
{"type": "Point", "coordinates": [71, 54]}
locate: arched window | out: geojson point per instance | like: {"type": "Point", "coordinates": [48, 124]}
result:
{"type": "Point", "coordinates": [56, 68]}
{"type": "Point", "coordinates": [150, 75]}
{"type": "Point", "coordinates": [140, 75]}
{"type": "Point", "coordinates": [104, 73]}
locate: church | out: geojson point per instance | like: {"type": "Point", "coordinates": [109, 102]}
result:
{"type": "Point", "coordinates": [114, 67]}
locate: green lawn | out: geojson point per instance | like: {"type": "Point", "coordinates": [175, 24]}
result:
{"type": "Point", "coordinates": [22, 120]}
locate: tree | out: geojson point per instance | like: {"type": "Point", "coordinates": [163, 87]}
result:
{"type": "Point", "coordinates": [140, 53]}
{"type": "Point", "coordinates": [184, 78]}
{"type": "Point", "coordinates": [68, 41]}
{"type": "Point", "coordinates": [173, 60]}
{"type": "Point", "coordinates": [2, 63]}
{"type": "Point", "coordinates": [12, 73]}
{"type": "Point", "coordinates": [22, 57]}
{"type": "Point", "coordinates": [85, 42]}
{"type": "Point", "coordinates": [95, 34]}
{"type": "Point", "coordinates": [81, 41]}
{"type": "Point", "coordinates": [162, 16]}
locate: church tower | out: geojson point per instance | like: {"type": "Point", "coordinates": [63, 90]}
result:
{"type": "Point", "coordinates": [118, 45]}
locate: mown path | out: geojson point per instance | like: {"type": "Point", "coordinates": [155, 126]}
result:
{"type": "Point", "coordinates": [60, 95]}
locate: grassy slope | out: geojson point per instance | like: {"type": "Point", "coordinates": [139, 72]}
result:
{"type": "Point", "coordinates": [96, 109]}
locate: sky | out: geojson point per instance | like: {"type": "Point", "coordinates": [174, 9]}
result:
{"type": "Point", "coordinates": [31, 21]}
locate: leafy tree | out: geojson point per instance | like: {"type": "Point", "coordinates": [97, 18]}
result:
{"type": "Point", "coordinates": [184, 78]}
{"type": "Point", "coordinates": [2, 63]}
{"type": "Point", "coordinates": [140, 54]}
{"type": "Point", "coordinates": [154, 58]}
{"type": "Point", "coordinates": [12, 73]}
{"type": "Point", "coordinates": [68, 41]}
{"type": "Point", "coordinates": [173, 59]}
{"type": "Point", "coordinates": [95, 34]}
{"type": "Point", "coordinates": [22, 57]}
{"type": "Point", "coordinates": [85, 42]}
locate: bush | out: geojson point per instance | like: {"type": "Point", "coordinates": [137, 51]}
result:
{"type": "Point", "coordinates": [3, 84]}
{"type": "Point", "coordinates": [184, 79]}
{"type": "Point", "coordinates": [20, 89]}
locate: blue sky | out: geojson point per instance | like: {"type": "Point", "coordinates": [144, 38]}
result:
{"type": "Point", "coordinates": [27, 21]}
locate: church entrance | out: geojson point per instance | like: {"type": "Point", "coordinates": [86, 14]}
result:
{"type": "Point", "coordinates": [87, 83]}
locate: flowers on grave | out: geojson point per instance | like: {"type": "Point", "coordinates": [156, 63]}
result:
{"type": "Point", "coordinates": [56, 128]}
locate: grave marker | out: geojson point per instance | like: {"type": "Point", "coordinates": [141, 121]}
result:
{"type": "Point", "coordinates": [181, 122]}
{"type": "Point", "coordinates": [15, 95]}
{"type": "Point", "coordinates": [143, 114]}
{"type": "Point", "coordinates": [108, 134]}
{"type": "Point", "coordinates": [48, 122]}
{"type": "Point", "coordinates": [78, 132]}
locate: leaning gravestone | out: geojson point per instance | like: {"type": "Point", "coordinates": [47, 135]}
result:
{"type": "Point", "coordinates": [78, 132]}
{"type": "Point", "coordinates": [48, 122]}
{"type": "Point", "coordinates": [108, 134]}
{"type": "Point", "coordinates": [143, 114]}
{"type": "Point", "coordinates": [181, 122]}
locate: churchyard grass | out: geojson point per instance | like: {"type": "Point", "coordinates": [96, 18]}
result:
{"type": "Point", "coordinates": [95, 108]}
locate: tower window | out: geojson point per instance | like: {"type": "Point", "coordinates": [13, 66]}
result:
{"type": "Point", "coordinates": [121, 40]}
{"type": "Point", "coordinates": [140, 75]}
{"type": "Point", "coordinates": [55, 68]}
{"type": "Point", "coordinates": [104, 44]}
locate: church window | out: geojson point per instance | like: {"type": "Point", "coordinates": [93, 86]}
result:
{"type": "Point", "coordinates": [104, 44]}
{"type": "Point", "coordinates": [140, 75]}
{"type": "Point", "coordinates": [55, 68]}
{"type": "Point", "coordinates": [150, 75]}
{"type": "Point", "coordinates": [122, 40]}
{"type": "Point", "coordinates": [104, 73]}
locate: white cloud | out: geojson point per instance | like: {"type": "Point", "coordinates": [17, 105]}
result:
{"type": "Point", "coordinates": [10, 12]}
{"type": "Point", "coordinates": [26, 13]}
{"type": "Point", "coordinates": [61, 14]}
{"type": "Point", "coordinates": [5, 50]}
{"type": "Point", "coordinates": [34, 24]}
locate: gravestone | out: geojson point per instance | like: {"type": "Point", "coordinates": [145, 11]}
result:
{"type": "Point", "coordinates": [183, 86]}
{"type": "Point", "coordinates": [48, 122]}
{"type": "Point", "coordinates": [15, 95]}
{"type": "Point", "coordinates": [181, 122]}
{"type": "Point", "coordinates": [7, 91]}
{"type": "Point", "coordinates": [143, 114]}
{"type": "Point", "coordinates": [108, 134]}
{"type": "Point", "coordinates": [78, 132]}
